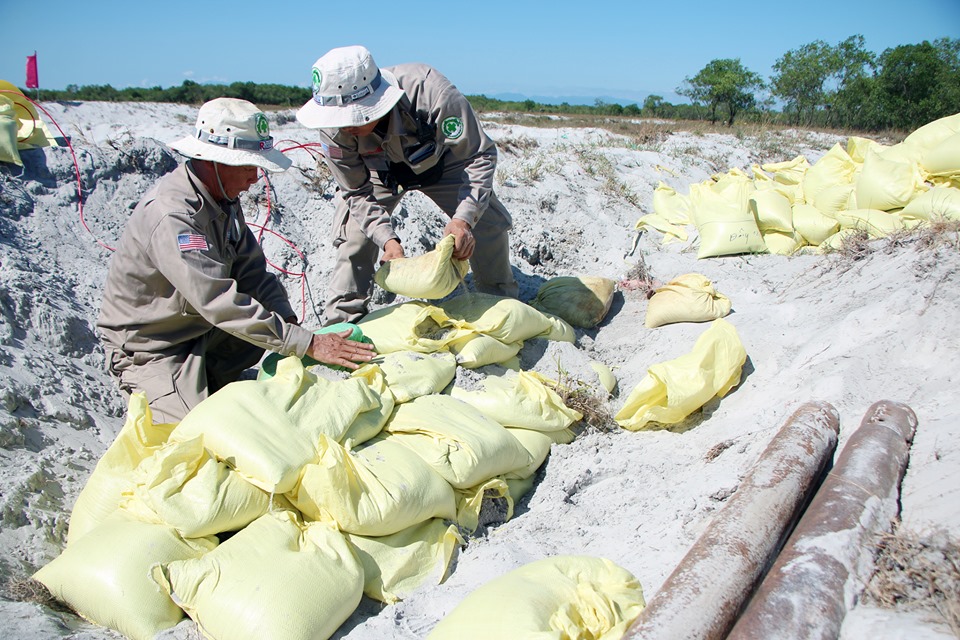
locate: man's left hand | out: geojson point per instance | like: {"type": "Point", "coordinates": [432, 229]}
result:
{"type": "Point", "coordinates": [463, 240]}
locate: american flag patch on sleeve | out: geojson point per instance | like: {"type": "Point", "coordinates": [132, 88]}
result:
{"type": "Point", "coordinates": [192, 242]}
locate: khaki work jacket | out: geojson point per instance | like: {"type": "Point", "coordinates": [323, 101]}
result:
{"type": "Point", "coordinates": [457, 134]}
{"type": "Point", "coordinates": [184, 266]}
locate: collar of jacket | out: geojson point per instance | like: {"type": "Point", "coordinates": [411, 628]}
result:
{"type": "Point", "coordinates": [206, 208]}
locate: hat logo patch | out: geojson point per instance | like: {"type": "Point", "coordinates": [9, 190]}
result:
{"type": "Point", "coordinates": [317, 79]}
{"type": "Point", "coordinates": [452, 127]}
{"type": "Point", "coordinates": [263, 127]}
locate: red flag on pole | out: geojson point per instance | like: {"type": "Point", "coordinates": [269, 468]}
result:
{"type": "Point", "coordinates": [32, 82]}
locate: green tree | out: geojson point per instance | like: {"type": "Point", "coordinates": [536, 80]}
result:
{"type": "Point", "coordinates": [853, 102]}
{"type": "Point", "coordinates": [919, 83]}
{"type": "Point", "coordinates": [801, 77]}
{"type": "Point", "coordinates": [723, 83]}
{"type": "Point", "coordinates": [653, 105]}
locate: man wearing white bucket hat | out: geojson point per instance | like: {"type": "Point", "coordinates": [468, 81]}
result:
{"type": "Point", "coordinates": [388, 131]}
{"type": "Point", "coordinates": [188, 303]}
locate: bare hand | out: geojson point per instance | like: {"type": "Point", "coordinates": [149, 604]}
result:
{"type": "Point", "coordinates": [391, 251]}
{"type": "Point", "coordinates": [463, 240]}
{"type": "Point", "coordinates": [334, 348]}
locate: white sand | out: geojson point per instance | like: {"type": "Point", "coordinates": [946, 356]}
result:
{"type": "Point", "coordinates": [815, 328]}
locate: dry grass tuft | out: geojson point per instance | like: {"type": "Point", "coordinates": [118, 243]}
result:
{"type": "Point", "coordinates": [939, 233]}
{"type": "Point", "coordinates": [717, 449]}
{"type": "Point", "coordinates": [23, 589]}
{"type": "Point", "coordinates": [581, 396]}
{"type": "Point", "coordinates": [918, 572]}
{"type": "Point", "coordinates": [639, 278]}
{"type": "Point", "coordinates": [854, 247]}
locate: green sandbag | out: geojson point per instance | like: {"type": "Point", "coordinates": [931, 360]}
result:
{"type": "Point", "coordinates": [268, 368]}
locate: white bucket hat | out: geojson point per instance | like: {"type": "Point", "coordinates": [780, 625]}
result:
{"type": "Point", "coordinates": [349, 90]}
{"type": "Point", "coordinates": [233, 132]}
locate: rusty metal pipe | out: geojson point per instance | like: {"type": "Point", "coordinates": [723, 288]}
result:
{"type": "Point", "coordinates": [820, 572]}
{"type": "Point", "coordinates": [704, 594]}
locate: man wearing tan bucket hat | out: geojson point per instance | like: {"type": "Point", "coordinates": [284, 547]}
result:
{"type": "Point", "coordinates": [188, 303]}
{"type": "Point", "coordinates": [388, 131]}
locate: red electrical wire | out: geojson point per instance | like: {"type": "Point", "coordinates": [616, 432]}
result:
{"type": "Point", "coordinates": [309, 147]}
{"type": "Point", "coordinates": [76, 166]}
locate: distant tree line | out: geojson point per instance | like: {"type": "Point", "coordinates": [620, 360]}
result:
{"type": "Point", "coordinates": [818, 84]}
{"type": "Point", "coordinates": [189, 92]}
{"type": "Point", "coordinates": [838, 86]}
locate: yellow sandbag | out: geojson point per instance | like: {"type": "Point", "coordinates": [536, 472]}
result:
{"type": "Point", "coordinates": [582, 301]}
{"type": "Point", "coordinates": [886, 184]}
{"type": "Point", "coordinates": [182, 486]}
{"type": "Point", "coordinates": [432, 276]}
{"type": "Point", "coordinates": [671, 232]}
{"type": "Point", "coordinates": [506, 319]}
{"type": "Point", "coordinates": [939, 203]}
{"type": "Point", "coordinates": [670, 205]}
{"type": "Point", "coordinates": [764, 182]}
{"type": "Point", "coordinates": [410, 374]}
{"type": "Point", "coordinates": [674, 389]}
{"type": "Point", "coordinates": [104, 575]}
{"type": "Point", "coordinates": [725, 229]}
{"type": "Point", "coordinates": [537, 444]}
{"type": "Point", "coordinates": [604, 375]}
{"type": "Point", "coordinates": [31, 130]}
{"type": "Point", "coordinates": [411, 326]}
{"type": "Point", "coordinates": [562, 597]}
{"type": "Point", "coordinates": [812, 224]}
{"type": "Point", "coordinates": [494, 493]}
{"type": "Point", "coordinates": [931, 134]}
{"type": "Point", "coordinates": [858, 148]}
{"type": "Point", "coordinates": [839, 197]}
{"type": "Point", "coordinates": [782, 244]}
{"type": "Point", "coordinates": [771, 210]}
{"type": "Point", "coordinates": [138, 440]}
{"type": "Point", "coordinates": [8, 133]}
{"type": "Point", "coordinates": [878, 224]}
{"type": "Point", "coordinates": [278, 579]}
{"type": "Point", "coordinates": [460, 443]}
{"type": "Point", "coordinates": [368, 424]}
{"type": "Point", "coordinates": [687, 298]}
{"type": "Point", "coordinates": [790, 172]}
{"type": "Point", "coordinates": [268, 429]}
{"type": "Point", "coordinates": [478, 350]}
{"type": "Point", "coordinates": [834, 168]}
{"type": "Point", "coordinates": [378, 489]}
{"type": "Point", "coordinates": [943, 159]}
{"type": "Point", "coordinates": [394, 566]}
{"type": "Point", "coordinates": [519, 399]}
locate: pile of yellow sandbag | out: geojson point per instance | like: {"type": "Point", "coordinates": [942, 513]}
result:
{"type": "Point", "coordinates": [276, 503]}
{"type": "Point", "coordinates": [785, 206]}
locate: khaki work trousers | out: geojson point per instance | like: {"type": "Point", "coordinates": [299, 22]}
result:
{"type": "Point", "coordinates": [351, 284]}
{"type": "Point", "coordinates": [176, 382]}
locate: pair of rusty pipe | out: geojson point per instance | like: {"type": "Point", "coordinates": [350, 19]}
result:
{"type": "Point", "coordinates": [811, 584]}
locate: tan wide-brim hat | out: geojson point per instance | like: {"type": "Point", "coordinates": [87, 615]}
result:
{"type": "Point", "coordinates": [233, 132]}
{"type": "Point", "coordinates": [349, 90]}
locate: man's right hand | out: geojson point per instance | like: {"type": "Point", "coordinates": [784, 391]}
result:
{"type": "Point", "coordinates": [391, 251]}
{"type": "Point", "coordinates": [334, 348]}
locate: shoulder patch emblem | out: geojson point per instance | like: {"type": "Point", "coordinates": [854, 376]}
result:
{"type": "Point", "coordinates": [452, 127]}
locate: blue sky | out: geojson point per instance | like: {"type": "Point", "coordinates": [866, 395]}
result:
{"type": "Point", "coordinates": [624, 50]}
